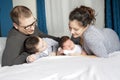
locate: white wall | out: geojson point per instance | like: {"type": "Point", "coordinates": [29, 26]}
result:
{"type": "Point", "coordinates": [29, 3]}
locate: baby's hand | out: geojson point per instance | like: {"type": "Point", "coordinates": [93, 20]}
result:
{"type": "Point", "coordinates": [31, 58]}
{"type": "Point", "coordinates": [60, 52]}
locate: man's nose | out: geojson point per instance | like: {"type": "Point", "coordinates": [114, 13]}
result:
{"type": "Point", "coordinates": [32, 27]}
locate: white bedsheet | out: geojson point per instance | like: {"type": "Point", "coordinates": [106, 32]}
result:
{"type": "Point", "coordinates": [65, 68]}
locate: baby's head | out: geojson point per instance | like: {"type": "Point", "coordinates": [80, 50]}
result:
{"type": "Point", "coordinates": [34, 44]}
{"type": "Point", "coordinates": [66, 43]}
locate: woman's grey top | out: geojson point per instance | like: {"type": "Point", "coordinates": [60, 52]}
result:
{"type": "Point", "coordinates": [100, 42]}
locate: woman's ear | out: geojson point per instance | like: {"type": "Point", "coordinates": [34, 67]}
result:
{"type": "Point", "coordinates": [15, 25]}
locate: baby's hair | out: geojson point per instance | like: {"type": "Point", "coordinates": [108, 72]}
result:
{"type": "Point", "coordinates": [62, 40]}
{"type": "Point", "coordinates": [30, 44]}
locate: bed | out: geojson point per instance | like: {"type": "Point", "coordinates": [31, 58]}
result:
{"type": "Point", "coordinates": [64, 68]}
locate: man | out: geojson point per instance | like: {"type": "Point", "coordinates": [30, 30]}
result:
{"type": "Point", "coordinates": [24, 26]}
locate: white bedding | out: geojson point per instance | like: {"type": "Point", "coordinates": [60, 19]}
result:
{"type": "Point", "coordinates": [65, 68]}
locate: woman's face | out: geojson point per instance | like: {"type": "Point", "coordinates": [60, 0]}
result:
{"type": "Point", "coordinates": [76, 28]}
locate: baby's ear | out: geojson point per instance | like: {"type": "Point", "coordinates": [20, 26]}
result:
{"type": "Point", "coordinates": [37, 53]}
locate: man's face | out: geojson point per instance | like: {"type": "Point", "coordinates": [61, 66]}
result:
{"type": "Point", "coordinates": [26, 25]}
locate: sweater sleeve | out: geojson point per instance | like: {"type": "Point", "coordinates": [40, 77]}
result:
{"type": "Point", "coordinates": [13, 53]}
{"type": "Point", "coordinates": [95, 43]}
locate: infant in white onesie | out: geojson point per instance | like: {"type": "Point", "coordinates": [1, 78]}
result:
{"type": "Point", "coordinates": [67, 47]}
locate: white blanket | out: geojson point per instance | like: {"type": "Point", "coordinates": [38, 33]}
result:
{"type": "Point", "coordinates": [65, 68]}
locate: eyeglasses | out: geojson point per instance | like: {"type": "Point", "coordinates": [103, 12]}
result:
{"type": "Point", "coordinates": [30, 26]}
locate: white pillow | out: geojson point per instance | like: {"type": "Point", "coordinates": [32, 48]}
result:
{"type": "Point", "coordinates": [2, 46]}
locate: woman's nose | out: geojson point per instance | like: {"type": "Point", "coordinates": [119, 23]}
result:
{"type": "Point", "coordinates": [72, 31]}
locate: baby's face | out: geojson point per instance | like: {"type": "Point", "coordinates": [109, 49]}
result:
{"type": "Point", "coordinates": [68, 45]}
{"type": "Point", "coordinates": [42, 45]}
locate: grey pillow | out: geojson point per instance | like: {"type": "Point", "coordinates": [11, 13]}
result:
{"type": "Point", "coordinates": [2, 46]}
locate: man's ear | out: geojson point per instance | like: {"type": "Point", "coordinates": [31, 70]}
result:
{"type": "Point", "coordinates": [15, 25]}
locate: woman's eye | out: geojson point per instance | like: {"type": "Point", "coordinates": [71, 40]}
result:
{"type": "Point", "coordinates": [76, 29]}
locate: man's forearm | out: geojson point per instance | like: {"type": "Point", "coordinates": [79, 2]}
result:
{"type": "Point", "coordinates": [21, 58]}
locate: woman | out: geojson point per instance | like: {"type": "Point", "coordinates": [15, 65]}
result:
{"type": "Point", "coordinates": [93, 40]}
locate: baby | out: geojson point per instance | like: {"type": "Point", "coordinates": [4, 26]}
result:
{"type": "Point", "coordinates": [67, 47]}
{"type": "Point", "coordinates": [39, 47]}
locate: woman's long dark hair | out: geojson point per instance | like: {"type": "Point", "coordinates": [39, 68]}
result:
{"type": "Point", "coordinates": [83, 14]}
